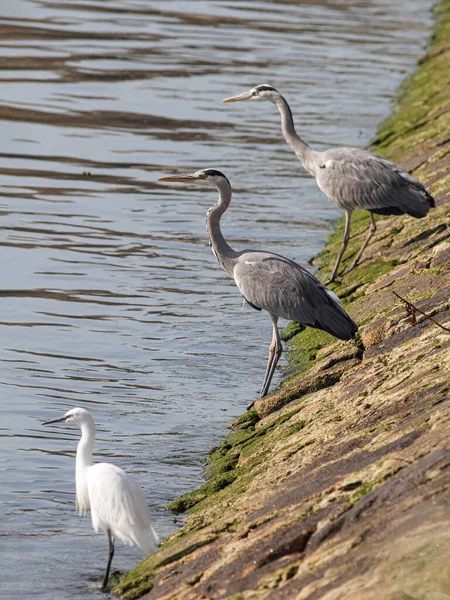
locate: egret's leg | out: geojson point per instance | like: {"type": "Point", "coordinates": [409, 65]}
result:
{"type": "Point", "coordinates": [348, 216]}
{"type": "Point", "coordinates": [111, 554]}
{"type": "Point", "coordinates": [275, 351]}
{"type": "Point", "coordinates": [372, 229]}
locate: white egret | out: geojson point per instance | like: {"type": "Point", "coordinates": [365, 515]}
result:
{"type": "Point", "coordinates": [118, 506]}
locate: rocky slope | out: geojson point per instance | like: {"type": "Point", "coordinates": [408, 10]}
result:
{"type": "Point", "coordinates": [337, 485]}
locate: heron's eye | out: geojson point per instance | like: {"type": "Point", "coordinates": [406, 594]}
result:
{"type": "Point", "coordinates": [204, 176]}
{"type": "Point", "coordinates": [255, 93]}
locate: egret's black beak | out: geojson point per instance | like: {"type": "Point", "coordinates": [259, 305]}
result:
{"type": "Point", "coordinates": [55, 420]}
{"type": "Point", "coordinates": [189, 178]}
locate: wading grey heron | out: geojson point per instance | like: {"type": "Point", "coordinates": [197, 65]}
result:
{"type": "Point", "coordinates": [351, 178]}
{"type": "Point", "coordinates": [118, 506]}
{"type": "Point", "coordinates": [268, 281]}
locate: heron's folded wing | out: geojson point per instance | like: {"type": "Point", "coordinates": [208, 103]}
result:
{"type": "Point", "coordinates": [355, 178]}
{"type": "Point", "coordinates": [281, 287]}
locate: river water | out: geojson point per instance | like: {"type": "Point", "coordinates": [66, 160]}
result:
{"type": "Point", "coordinates": [110, 298]}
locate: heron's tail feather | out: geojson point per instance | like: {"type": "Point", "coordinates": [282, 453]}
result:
{"type": "Point", "coordinates": [414, 201]}
{"type": "Point", "coordinates": [430, 200]}
{"type": "Point", "coordinates": [336, 321]}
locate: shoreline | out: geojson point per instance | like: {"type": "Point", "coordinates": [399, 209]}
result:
{"type": "Point", "coordinates": [299, 495]}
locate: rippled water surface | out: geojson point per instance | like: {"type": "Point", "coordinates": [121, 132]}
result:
{"type": "Point", "coordinates": [110, 297]}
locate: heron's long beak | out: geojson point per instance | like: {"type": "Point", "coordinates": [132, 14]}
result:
{"type": "Point", "coordinates": [189, 178]}
{"type": "Point", "coordinates": [55, 420]}
{"type": "Point", "coordinates": [244, 96]}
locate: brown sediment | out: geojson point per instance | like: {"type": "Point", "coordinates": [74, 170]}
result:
{"type": "Point", "coordinates": [337, 486]}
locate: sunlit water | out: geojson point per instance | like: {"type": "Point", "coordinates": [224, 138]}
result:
{"type": "Point", "coordinates": [110, 297]}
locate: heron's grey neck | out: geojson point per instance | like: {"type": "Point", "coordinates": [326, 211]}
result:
{"type": "Point", "coordinates": [85, 446]}
{"type": "Point", "coordinates": [305, 153]}
{"type": "Point", "coordinates": [223, 252]}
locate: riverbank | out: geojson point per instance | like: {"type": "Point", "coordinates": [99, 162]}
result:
{"type": "Point", "coordinates": [336, 486]}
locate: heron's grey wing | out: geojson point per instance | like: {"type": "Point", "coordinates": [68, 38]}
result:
{"type": "Point", "coordinates": [285, 289]}
{"type": "Point", "coordinates": [355, 178]}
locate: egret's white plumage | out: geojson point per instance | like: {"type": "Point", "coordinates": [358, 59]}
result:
{"type": "Point", "coordinates": [125, 513]}
{"type": "Point", "coordinates": [118, 506]}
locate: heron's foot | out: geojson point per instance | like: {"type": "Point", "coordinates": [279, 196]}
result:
{"type": "Point", "coordinates": [334, 279]}
{"type": "Point", "coordinates": [261, 397]}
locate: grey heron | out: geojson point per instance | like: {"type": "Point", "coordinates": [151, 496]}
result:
{"type": "Point", "coordinates": [350, 177]}
{"type": "Point", "coordinates": [268, 281]}
{"type": "Point", "coordinates": [118, 506]}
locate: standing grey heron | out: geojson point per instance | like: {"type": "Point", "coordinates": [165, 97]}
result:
{"type": "Point", "coordinates": [268, 281]}
{"type": "Point", "coordinates": [118, 506]}
{"type": "Point", "coordinates": [351, 178]}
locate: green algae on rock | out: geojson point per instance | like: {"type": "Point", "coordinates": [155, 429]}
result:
{"type": "Point", "coordinates": [343, 492]}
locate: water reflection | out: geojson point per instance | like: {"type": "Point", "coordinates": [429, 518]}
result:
{"type": "Point", "coordinates": [110, 298]}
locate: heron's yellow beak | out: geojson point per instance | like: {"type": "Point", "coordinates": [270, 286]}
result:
{"type": "Point", "coordinates": [244, 96]}
{"type": "Point", "coordinates": [189, 178]}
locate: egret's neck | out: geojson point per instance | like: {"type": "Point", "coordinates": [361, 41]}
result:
{"type": "Point", "coordinates": [224, 253]}
{"type": "Point", "coordinates": [83, 462]}
{"type": "Point", "coordinates": [86, 445]}
{"type": "Point", "coordinates": [305, 153]}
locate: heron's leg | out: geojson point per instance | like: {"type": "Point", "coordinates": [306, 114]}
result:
{"type": "Point", "coordinates": [111, 554]}
{"type": "Point", "coordinates": [275, 351]}
{"type": "Point", "coordinates": [372, 229]}
{"type": "Point", "coordinates": [348, 216]}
